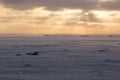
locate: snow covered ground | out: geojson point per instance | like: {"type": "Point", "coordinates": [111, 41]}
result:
{"type": "Point", "coordinates": [60, 57]}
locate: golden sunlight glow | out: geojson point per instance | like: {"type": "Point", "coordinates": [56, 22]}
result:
{"type": "Point", "coordinates": [40, 12]}
{"type": "Point", "coordinates": [68, 11]}
{"type": "Point", "coordinates": [66, 21]}
{"type": "Point", "coordinates": [101, 14]}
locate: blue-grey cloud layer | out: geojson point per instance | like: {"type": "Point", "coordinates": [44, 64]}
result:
{"type": "Point", "coordinates": [50, 4]}
{"type": "Point", "coordinates": [58, 4]}
{"type": "Point", "coordinates": [111, 5]}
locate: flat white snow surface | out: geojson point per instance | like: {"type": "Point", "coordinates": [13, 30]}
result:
{"type": "Point", "coordinates": [59, 57]}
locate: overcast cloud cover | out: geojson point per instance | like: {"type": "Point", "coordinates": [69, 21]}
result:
{"type": "Point", "coordinates": [58, 4]}
{"type": "Point", "coordinates": [59, 16]}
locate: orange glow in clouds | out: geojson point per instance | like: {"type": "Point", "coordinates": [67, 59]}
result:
{"type": "Point", "coordinates": [64, 21]}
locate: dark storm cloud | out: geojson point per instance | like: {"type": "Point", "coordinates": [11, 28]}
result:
{"type": "Point", "coordinates": [111, 5]}
{"type": "Point", "coordinates": [50, 4]}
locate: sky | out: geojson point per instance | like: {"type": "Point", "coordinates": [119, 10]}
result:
{"type": "Point", "coordinates": [59, 16]}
